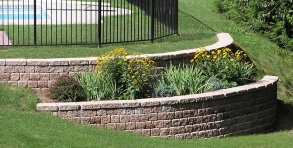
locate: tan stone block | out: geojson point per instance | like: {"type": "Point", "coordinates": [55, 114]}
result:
{"type": "Point", "coordinates": [86, 113]}
{"type": "Point", "coordinates": [105, 119]}
{"type": "Point", "coordinates": [4, 76]}
{"type": "Point", "coordinates": [101, 112]}
{"type": "Point", "coordinates": [15, 62]}
{"type": "Point", "coordinates": [115, 118]}
{"type": "Point", "coordinates": [47, 107]}
{"type": "Point", "coordinates": [174, 130]}
{"type": "Point", "coordinates": [153, 117]}
{"type": "Point", "coordinates": [183, 121]}
{"type": "Point", "coordinates": [159, 124]}
{"type": "Point", "coordinates": [197, 127]}
{"type": "Point", "coordinates": [121, 126]}
{"type": "Point", "coordinates": [44, 76]}
{"type": "Point", "coordinates": [72, 113]}
{"type": "Point", "coordinates": [22, 83]}
{"type": "Point", "coordinates": [176, 122]}
{"type": "Point", "coordinates": [170, 115]}
{"type": "Point", "coordinates": [29, 69]}
{"type": "Point", "coordinates": [142, 117]}
{"type": "Point", "coordinates": [124, 118]}
{"type": "Point", "coordinates": [41, 69]}
{"type": "Point", "coordinates": [2, 69]}
{"type": "Point", "coordinates": [130, 125]}
{"type": "Point", "coordinates": [24, 76]}
{"type": "Point", "coordinates": [33, 62]}
{"type": "Point", "coordinates": [162, 116]}
{"type": "Point", "coordinates": [112, 125]}
{"type": "Point", "coordinates": [164, 131]}
{"type": "Point", "coordinates": [9, 69]}
{"type": "Point", "coordinates": [134, 118]}
{"type": "Point", "coordinates": [34, 76]}
{"type": "Point", "coordinates": [146, 132]}
{"type": "Point", "coordinates": [19, 69]}
{"type": "Point", "coordinates": [178, 114]}
{"type": "Point", "coordinates": [14, 76]}
{"type": "Point", "coordinates": [67, 69]}
{"type": "Point", "coordinates": [167, 123]}
{"type": "Point", "coordinates": [95, 120]}
{"type": "Point", "coordinates": [201, 112]}
{"type": "Point", "coordinates": [149, 125]}
{"type": "Point", "coordinates": [140, 125]}
{"type": "Point", "coordinates": [55, 69]}
{"type": "Point", "coordinates": [32, 84]}
{"type": "Point", "coordinates": [2, 62]}
{"type": "Point", "coordinates": [43, 84]}
{"type": "Point", "coordinates": [54, 76]}
{"type": "Point", "coordinates": [78, 61]}
{"type": "Point", "coordinates": [155, 132]}
{"type": "Point", "coordinates": [55, 62]}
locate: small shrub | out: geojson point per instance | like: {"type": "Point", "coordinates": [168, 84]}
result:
{"type": "Point", "coordinates": [217, 84]}
{"type": "Point", "coordinates": [67, 89]}
{"type": "Point", "coordinates": [161, 89]}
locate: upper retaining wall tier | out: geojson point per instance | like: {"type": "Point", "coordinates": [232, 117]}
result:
{"type": "Point", "coordinates": [240, 110]}
{"type": "Point", "coordinates": [41, 73]}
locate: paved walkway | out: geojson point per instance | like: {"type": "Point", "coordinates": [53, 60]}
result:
{"type": "Point", "coordinates": [4, 40]}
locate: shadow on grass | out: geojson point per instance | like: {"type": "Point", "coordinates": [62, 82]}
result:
{"type": "Point", "coordinates": [284, 117]}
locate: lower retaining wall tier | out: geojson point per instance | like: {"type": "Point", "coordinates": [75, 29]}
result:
{"type": "Point", "coordinates": [247, 109]}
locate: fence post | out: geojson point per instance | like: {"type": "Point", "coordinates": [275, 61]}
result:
{"type": "Point", "coordinates": [176, 17]}
{"type": "Point", "coordinates": [99, 23]}
{"type": "Point", "coordinates": [35, 23]}
{"type": "Point", "coordinates": [152, 7]}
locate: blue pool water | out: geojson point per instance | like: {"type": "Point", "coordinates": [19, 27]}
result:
{"type": "Point", "coordinates": [20, 13]}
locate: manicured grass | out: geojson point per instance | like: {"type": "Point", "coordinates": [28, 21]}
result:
{"type": "Point", "coordinates": [21, 126]}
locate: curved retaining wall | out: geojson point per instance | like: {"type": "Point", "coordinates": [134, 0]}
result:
{"type": "Point", "coordinates": [240, 110]}
{"type": "Point", "coordinates": [41, 73]}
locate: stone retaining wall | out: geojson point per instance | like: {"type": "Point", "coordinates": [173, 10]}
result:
{"type": "Point", "coordinates": [247, 109]}
{"type": "Point", "coordinates": [40, 74]}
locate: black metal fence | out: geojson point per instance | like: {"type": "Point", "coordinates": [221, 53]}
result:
{"type": "Point", "coordinates": [70, 22]}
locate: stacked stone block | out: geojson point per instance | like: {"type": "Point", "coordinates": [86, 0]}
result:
{"type": "Point", "coordinates": [240, 110]}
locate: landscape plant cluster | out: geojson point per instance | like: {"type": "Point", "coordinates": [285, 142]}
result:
{"type": "Point", "coordinates": [118, 76]}
{"type": "Point", "coordinates": [272, 18]}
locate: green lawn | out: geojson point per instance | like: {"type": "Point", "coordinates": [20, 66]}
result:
{"type": "Point", "coordinates": [21, 126]}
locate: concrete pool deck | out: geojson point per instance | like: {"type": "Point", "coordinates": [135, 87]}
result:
{"type": "Point", "coordinates": [66, 12]}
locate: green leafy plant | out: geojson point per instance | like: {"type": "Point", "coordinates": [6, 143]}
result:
{"type": "Point", "coordinates": [225, 65]}
{"type": "Point", "coordinates": [97, 86]}
{"type": "Point", "coordinates": [129, 74]}
{"type": "Point", "coordinates": [67, 89]}
{"type": "Point", "coordinates": [187, 79]}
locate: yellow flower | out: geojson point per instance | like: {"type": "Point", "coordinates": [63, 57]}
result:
{"type": "Point", "coordinates": [226, 67]}
{"type": "Point", "coordinates": [231, 60]}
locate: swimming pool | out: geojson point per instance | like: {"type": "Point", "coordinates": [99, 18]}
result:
{"type": "Point", "coordinates": [21, 12]}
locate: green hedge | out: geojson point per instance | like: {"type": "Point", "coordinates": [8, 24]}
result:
{"type": "Point", "coordinates": [272, 18]}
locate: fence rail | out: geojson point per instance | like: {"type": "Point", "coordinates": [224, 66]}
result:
{"type": "Point", "coordinates": [69, 22]}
